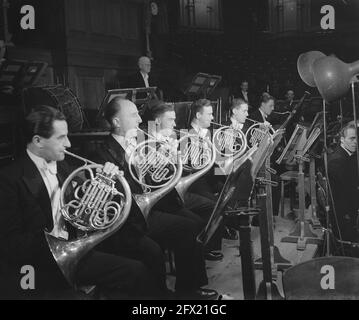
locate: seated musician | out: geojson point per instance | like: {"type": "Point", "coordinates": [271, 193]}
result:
{"type": "Point", "coordinates": [201, 119]}
{"type": "Point", "coordinates": [263, 115]}
{"type": "Point", "coordinates": [168, 230]}
{"type": "Point", "coordinates": [239, 110]}
{"type": "Point", "coordinates": [196, 207]}
{"type": "Point", "coordinates": [265, 109]}
{"type": "Point", "coordinates": [29, 205]}
{"type": "Point", "coordinates": [343, 178]}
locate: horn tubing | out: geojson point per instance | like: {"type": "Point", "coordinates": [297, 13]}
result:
{"type": "Point", "coordinates": [79, 158]}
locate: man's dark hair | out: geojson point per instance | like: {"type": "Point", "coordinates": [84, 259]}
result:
{"type": "Point", "coordinates": [160, 108]}
{"type": "Point", "coordinates": [112, 108]}
{"type": "Point", "coordinates": [266, 97]}
{"type": "Point", "coordinates": [198, 106]}
{"type": "Point", "coordinates": [344, 130]}
{"type": "Point", "coordinates": [40, 122]}
{"type": "Point", "coordinates": [237, 102]}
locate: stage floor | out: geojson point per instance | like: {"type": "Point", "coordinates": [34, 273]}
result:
{"type": "Point", "coordinates": [226, 277]}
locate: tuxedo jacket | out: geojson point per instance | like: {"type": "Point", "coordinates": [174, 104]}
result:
{"type": "Point", "coordinates": [136, 81]}
{"type": "Point", "coordinates": [25, 213]}
{"type": "Point", "coordinates": [251, 99]}
{"type": "Point", "coordinates": [113, 152]}
{"type": "Point", "coordinates": [246, 125]}
{"type": "Point", "coordinates": [343, 176]}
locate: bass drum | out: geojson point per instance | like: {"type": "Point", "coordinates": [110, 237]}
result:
{"type": "Point", "coordinates": [59, 97]}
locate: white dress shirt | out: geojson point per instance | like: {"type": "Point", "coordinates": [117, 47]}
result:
{"type": "Point", "coordinates": [202, 132]}
{"type": "Point", "coordinates": [129, 145]}
{"type": "Point", "coordinates": [145, 79]}
{"type": "Point", "coordinates": [48, 171]}
{"type": "Point", "coordinates": [346, 150]}
{"type": "Point", "coordinates": [236, 125]}
{"type": "Point", "coordinates": [245, 95]}
{"type": "Point", "coordinates": [264, 116]}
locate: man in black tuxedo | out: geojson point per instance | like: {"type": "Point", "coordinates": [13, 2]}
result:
{"type": "Point", "coordinates": [238, 121]}
{"type": "Point", "coordinates": [29, 205]}
{"type": "Point", "coordinates": [245, 95]}
{"type": "Point", "coordinates": [343, 177]}
{"type": "Point", "coordinates": [200, 122]}
{"type": "Point", "coordinates": [265, 109]}
{"type": "Point", "coordinates": [143, 79]}
{"type": "Point", "coordinates": [196, 207]}
{"type": "Point", "coordinates": [170, 231]}
{"type": "Point", "coordinates": [262, 116]}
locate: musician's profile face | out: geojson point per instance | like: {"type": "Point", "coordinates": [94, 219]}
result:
{"type": "Point", "coordinates": [349, 141]}
{"type": "Point", "coordinates": [268, 107]}
{"type": "Point", "coordinates": [205, 117]}
{"type": "Point", "coordinates": [241, 113]}
{"type": "Point", "coordinates": [52, 149]}
{"type": "Point", "coordinates": [167, 122]}
{"type": "Point", "coordinates": [290, 94]}
{"type": "Point", "coordinates": [127, 119]}
{"type": "Point", "coordinates": [244, 86]}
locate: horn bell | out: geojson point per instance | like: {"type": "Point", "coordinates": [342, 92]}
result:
{"type": "Point", "coordinates": [333, 77]}
{"type": "Point", "coordinates": [304, 65]}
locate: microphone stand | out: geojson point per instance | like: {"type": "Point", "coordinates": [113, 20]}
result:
{"type": "Point", "coordinates": [356, 126]}
{"type": "Point", "coordinates": [327, 230]}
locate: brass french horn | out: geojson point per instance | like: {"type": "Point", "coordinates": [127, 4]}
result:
{"type": "Point", "coordinates": [97, 208]}
{"type": "Point", "coordinates": [156, 169]}
{"type": "Point", "coordinates": [198, 158]}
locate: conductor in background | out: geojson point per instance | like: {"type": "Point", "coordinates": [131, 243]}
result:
{"type": "Point", "coordinates": [143, 79]}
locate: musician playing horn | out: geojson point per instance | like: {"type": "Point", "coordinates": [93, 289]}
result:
{"type": "Point", "coordinates": [196, 207]}
{"type": "Point", "coordinates": [238, 121]}
{"type": "Point", "coordinates": [239, 110]}
{"type": "Point", "coordinates": [29, 203]}
{"type": "Point", "coordinates": [265, 109]}
{"type": "Point", "coordinates": [168, 230]}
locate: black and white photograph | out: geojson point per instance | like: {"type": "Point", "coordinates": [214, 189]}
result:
{"type": "Point", "coordinates": [196, 151]}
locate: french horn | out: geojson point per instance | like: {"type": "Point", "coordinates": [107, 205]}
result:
{"type": "Point", "coordinates": [198, 158]}
{"type": "Point", "coordinates": [230, 144]}
{"type": "Point", "coordinates": [96, 207]}
{"type": "Point", "coordinates": [154, 166]}
{"type": "Point", "coordinates": [257, 132]}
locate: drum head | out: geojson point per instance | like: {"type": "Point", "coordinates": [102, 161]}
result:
{"type": "Point", "coordinates": [59, 97]}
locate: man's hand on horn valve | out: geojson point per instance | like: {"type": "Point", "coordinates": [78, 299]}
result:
{"type": "Point", "coordinates": [110, 169]}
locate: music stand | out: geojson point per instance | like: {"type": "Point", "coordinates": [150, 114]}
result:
{"type": "Point", "coordinates": [203, 84]}
{"type": "Point", "coordinates": [298, 147]}
{"type": "Point", "coordinates": [20, 73]}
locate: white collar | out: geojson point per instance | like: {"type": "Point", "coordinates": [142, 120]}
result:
{"type": "Point", "coordinates": [236, 125]}
{"type": "Point", "coordinates": [42, 164]}
{"type": "Point", "coordinates": [123, 141]}
{"type": "Point", "coordinates": [202, 132]}
{"type": "Point", "coordinates": [346, 150]}
{"type": "Point", "coordinates": [263, 114]}
{"type": "Point", "coordinates": [144, 75]}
